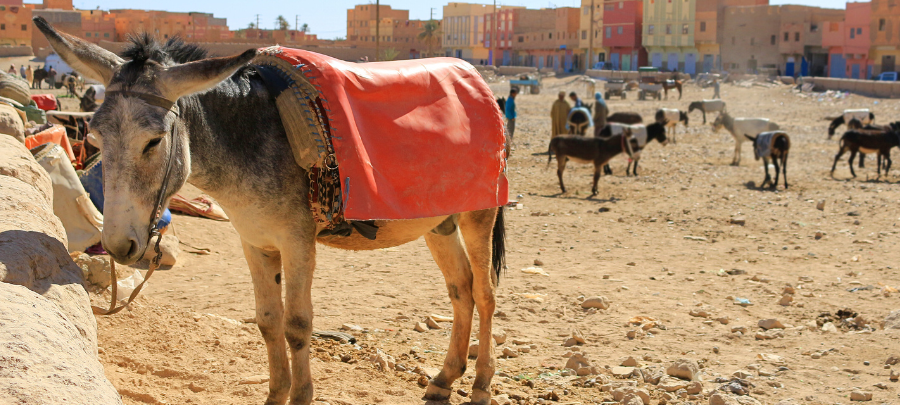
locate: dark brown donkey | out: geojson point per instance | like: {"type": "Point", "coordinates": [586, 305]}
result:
{"type": "Point", "coordinates": [869, 141]}
{"type": "Point", "coordinates": [775, 145]}
{"type": "Point", "coordinates": [586, 150]}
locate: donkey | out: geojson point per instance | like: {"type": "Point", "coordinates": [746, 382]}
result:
{"type": "Point", "coordinates": [579, 120]}
{"type": "Point", "coordinates": [741, 127]}
{"type": "Point", "coordinates": [865, 117]}
{"type": "Point", "coordinates": [229, 141]}
{"type": "Point", "coordinates": [672, 117]}
{"type": "Point", "coordinates": [775, 145]}
{"type": "Point", "coordinates": [673, 84]}
{"type": "Point", "coordinates": [628, 118]}
{"type": "Point", "coordinates": [640, 136]}
{"type": "Point", "coordinates": [706, 106]}
{"type": "Point", "coordinates": [583, 149]}
{"type": "Point", "coordinates": [869, 141]}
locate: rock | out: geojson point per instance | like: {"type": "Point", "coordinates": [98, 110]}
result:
{"type": "Point", "coordinates": [629, 361]}
{"type": "Point", "coordinates": [829, 327]}
{"type": "Point", "coordinates": [634, 333]}
{"type": "Point", "coordinates": [473, 350]}
{"type": "Point", "coordinates": [169, 247]}
{"type": "Point", "coordinates": [499, 337]}
{"type": "Point", "coordinates": [744, 400]}
{"type": "Point", "coordinates": [858, 395]}
{"type": "Point", "coordinates": [770, 334]}
{"type": "Point", "coordinates": [742, 374]}
{"type": "Point", "coordinates": [420, 327]}
{"type": "Point", "coordinates": [739, 221]}
{"type": "Point", "coordinates": [741, 329]}
{"type": "Point", "coordinates": [577, 360]}
{"type": "Point", "coordinates": [670, 384]}
{"type": "Point", "coordinates": [621, 394]}
{"type": "Point", "coordinates": [538, 262]}
{"type": "Point", "coordinates": [577, 339]}
{"type": "Point", "coordinates": [507, 352]}
{"type": "Point", "coordinates": [96, 269]}
{"type": "Point", "coordinates": [724, 320]}
{"type": "Point", "coordinates": [254, 379]}
{"type": "Point", "coordinates": [351, 327]}
{"type": "Point", "coordinates": [720, 398]}
{"type": "Point", "coordinates": [892, 321]}
{"type": "Point", "coordinates": [196, 388]}
{"type": "Point", "coordinates": [432, 324]}
{"type": "Point", "coordinates": [684, 369]}
{"type": "Point", "coordinates": [622, 372]}
{"type": "Point", "coordinates": [502, 399]}
{"type": "Point", "coordinates": [634, 399]}
{"type": "Point", "coordinates": [382, 360]}
{"type": "Point", "coordinates": [694, 388]}
{"type": "Point", "coordinates": [820, 205]}
{"type": "Point", "coordinates": [595, 302]}
{"type": "Point", "coordinates": [891, 360]}
{"type": "Point", "coordinates": [699, 313]}
{"type": "Point", "coordinates": [786, 300]}
{"type": "Point", "coordinates": [895, 375]}
{"type": "Point", "coordinates": [770, 324]}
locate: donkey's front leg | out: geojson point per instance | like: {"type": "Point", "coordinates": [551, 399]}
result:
{"type": "Point", "coordinates": [265, 270]}
{"type": "Point", "coordinates": [299, 262]}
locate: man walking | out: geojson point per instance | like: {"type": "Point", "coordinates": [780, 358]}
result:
{"type": "Point", "coordinates": [559, 114]}
{"type": "Point", "coordinates": [716, 89]}
{"type": "Point", "coordinates": [51, 77]}
{"type": "Point", "coordinates": [511, 112]}
{"type": "Point", "coordinates": [29, 76]}
{"type": "Point", "coordinates": [22, 71]}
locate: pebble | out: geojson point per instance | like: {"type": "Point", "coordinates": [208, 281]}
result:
{"type": "Point", "coordinates": [622, 372]}
{"type": "Point", "coordinates": [829, 327]}
{"type": "Point", "coordinates": [351, 327]}
{"type": "Point", "coordinates": [786, 300]}
{"type": "Point", "coordinates": [255, 379]}
{"type": "Point", "coordinates": [629, 361]}
{"type": "Point", "coordinates": [501, 399]}
{"type": "Point", "coordinates": [741, 329]}
{"type": "Point", "coordinates": [625, 394]}
{"type": "Point", "coordinates": [420, 327]}
{"type": "Point", "coordinates": [770, 324]}
{"type": "Point", "coordinates": [595, 302]}
{"type": "Point", "coordinates": [499, 337]}
{"type": "Point", "coordinates": [724, 320]}
{"type": "Point", "coordinates": [770, 334]}
{"type": "Point", "coordinates": [196, 388]}
{"type": "Point", "coordinates": [821, 205]}
{"type": "Point", "coordinates": [739, 221]}
{"type": "Point", "coordinates": [685, 369]}
{"type": "Point", "coordinates": [860, 396]}
{"type": "Point", "coordinates": [507, 352]}
{"type": "Point", "coordinates": [473, 350]}
{"type": "Point", "coordinates": [670, 384]}
{"type": "Point", "coordinates": [892, 360]}
{"type": "Point", "coordinates": [431, 323]}
{"type": "Point", "coordinates": [538, 262]}
{"type": "Point", "coordinates": [699, 313]}
{"type": "Point", "coordinates": [895, 375]}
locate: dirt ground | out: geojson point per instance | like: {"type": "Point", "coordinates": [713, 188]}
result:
{"type": "Point", "coordinates": [668, 244]}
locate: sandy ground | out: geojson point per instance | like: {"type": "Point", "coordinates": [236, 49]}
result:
{"type": "Point", "coordinates": [661, 245]}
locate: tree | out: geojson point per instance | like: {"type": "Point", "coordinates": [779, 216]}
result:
{"type": "Point", "coordinates": [304, 27]}
{"type": "Point", "coordinates": [282, 24]}
{"type": "Point", "coordinates": [389, 54]}
{"type": "Point", "coordinates": [251, 26]}
{"type": "Point", "coordinates": [431, 31]}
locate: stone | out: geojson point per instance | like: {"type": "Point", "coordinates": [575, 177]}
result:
{"type": "Point", "coordinates": [694, 388]}
{"type": "Point", "coordinates": [499, 337]}
{"type": "Point", "coordinates": [745, 400]}
{"type": "Point", "coordinates": [577, 360]}
{"type": "Point", "coordinates": [859, 395]}
{"type": "Point", "coordinates": [382, 360]}
{"type": "Point", "coordinates": [508, 352]}
{"type": "Point", "coordinates": [351, 327]}
{"type": "Point", "coordinates": [724, 320]}
{"type": "Point", "coordinates": [629, 361]}
{"type": "Point", "coordinates": [891, 360]}
{"type": "Point", "coordinates": [720, 398]}
{"type": "Point", "coordinates": [892, 321]}
{"type": "Point", "coordinates": [622, 372]}
{"type": "Point", "coordinates": [169, 247]}
{"type": "Point", "coordinates": [670, 384]}
{"type": "Point", "coordinates": [829, 327]}
{"type": "Point", "coordinates": [770, 324]}
{"type": "Point", "coordinates": [739, 221]}
{"type": "Point", "coordinates": [196, 388]}
{"type": "Point", "coordinates": [633, 399]}
{"type": "Point", "coordinates": [254, 379]}
{"type": "Point", "coordinates": [420, 327]}
{"type": "Point", "coordinates": [820, 205]}
{"type": "Point", "coordinates": [473, 350]}
{"type": "Point", "coordinates": [96, 269]}
{"type": "Point", "coordinates": [685, 369]}
{"type": "Point", "coordinates": [742, 374]}
{"type": "Point", "coordinates": [595, 302]}
{"type": "Point", "coordinates": [786, 300]}
{"type": "Point", "coordinates": [741, 329]}
{"type": "Point", "coordinates": [895, 375]}
{"type": "Point", "coordinates": [770, 334]}
{"type": "Point", "coordinates": [431, 323]}
{"type": "Point", "coordinates": [634, 333]}
{"type": "Point", "coordinates": [502, 399]}
{"type": "Point", "coordinates": [699, 313]}
{"type": "Point", "coordinates": [622, 393]}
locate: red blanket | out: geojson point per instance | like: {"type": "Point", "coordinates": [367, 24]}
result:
{"type": "Point", "coordinates": [46, 102]}
{"type": "Point", "coordinates": [413, 139]}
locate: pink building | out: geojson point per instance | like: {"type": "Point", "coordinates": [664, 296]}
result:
{"type": "Point", "coordinates": [622, 27]}
{"type": "Point", "coordinates": [848, 43]}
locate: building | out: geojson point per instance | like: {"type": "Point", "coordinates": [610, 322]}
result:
{"type": "Point", "coordinates": [884, 31]}
{"type": "Point", "coordinates": [462, 34]}
{"type": "Point", "coordinates": [546, 38]}
{"type": "Point", "coordinates": [15, 23]}
{"type": "Point", "coordinates": [786, 39]}
{"type": "Point", "coordinates": [591, 29]}
{"type": "Point", "coordinates": [68, 21]}
{"type": "Point", "coordinates": [192, 27]}
{"type": "Point", "coordinates": [98, 25]}
{"type": "Point", "coordinates": [399, 36]}
{"type": "Point", "coordinates": [848, 43]}
{"type": "Point", "coordinates": [622, 26]}
{"type": "Point", "coordinates": [501, 25]}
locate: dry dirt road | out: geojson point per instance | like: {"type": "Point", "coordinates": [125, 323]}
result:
{"type": "Point", "coordinates": [680, 243]}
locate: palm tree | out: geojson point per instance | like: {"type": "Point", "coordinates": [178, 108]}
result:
{"type": "Point", "coordinates": [251, 26]}
{"type": "Point", "coordinates": [389, 54]}
{"type": "Point", "coordinates": [281, 23]}
{"type": "Point", "coordinates": [304, 27]}
{"type": "Point", "coordinates": [431, 31]}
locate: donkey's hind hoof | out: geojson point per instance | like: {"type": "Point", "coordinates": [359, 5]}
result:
{"type": "Point", "coordinates": [480, 397]}
{"type": "Point", "coordinates": [435, 393]}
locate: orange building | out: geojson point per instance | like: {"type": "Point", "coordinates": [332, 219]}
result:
{"type": "Point", "coordinates": [192, 27]}
{"type": "Point", "coordinates": [15, 23]}
{"type": "Point", "coordinates": [399, 35]}
{"type": "Point", "coordinates": [98, 25]}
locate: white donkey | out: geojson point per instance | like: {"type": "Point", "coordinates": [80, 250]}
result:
{"type": "Point", "coordinates": [740, 129]}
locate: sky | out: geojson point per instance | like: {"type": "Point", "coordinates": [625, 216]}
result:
{"type": "Point", "coordinates": [328, 18]}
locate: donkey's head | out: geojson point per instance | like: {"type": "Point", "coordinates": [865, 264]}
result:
{"type": "Point", "coordinates": [138, 125]}
{"type": "Point", "coordinates": [696, 105]}
{"type": "Point", "coordinates": [719, 123]}
{"type": "Point", "coordinates": [657, 130]}
{"type": "Point", "coordinates": [683, 116]}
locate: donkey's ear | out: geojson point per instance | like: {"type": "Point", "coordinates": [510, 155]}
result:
{"type": "Point", "coordinates": [194, 77]}
{"type": "Point", "coordinates": [86, 58]}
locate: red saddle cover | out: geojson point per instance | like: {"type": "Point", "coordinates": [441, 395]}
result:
{"type": "Point", "coordinates": [413, 139]}
{"type": "Point", "coordinates": [46, 102]}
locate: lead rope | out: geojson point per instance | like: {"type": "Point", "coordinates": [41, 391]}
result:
{"type": "Point", "coordinates": [154, 222]}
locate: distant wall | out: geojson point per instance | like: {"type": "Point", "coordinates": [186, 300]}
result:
{"type": "Point", "coordinates": [868, 88]}
{"type": "Point", "coordinates": [625, 74]}
{"type": "Point", "coordinates": [22, 50]}
{"type": "Point", "coordinates": [516, 70]}
{"type": "Point", "coordinates": [226, 49]}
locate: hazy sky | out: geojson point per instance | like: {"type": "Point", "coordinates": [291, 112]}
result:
{"type": "Point", "coordinates": [328, 18]}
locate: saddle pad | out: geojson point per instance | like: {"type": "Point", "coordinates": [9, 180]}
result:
{"type": "Point", "coordinates": [862, 115]}
{"type": "Point", "coordinates": [412, 139]}
{"type": "Point", "coordinates": [45, 102]}
{"type": "Point", "coordinates": [638, 132]}
{"type": "Point", "coordinates": [762, 148]}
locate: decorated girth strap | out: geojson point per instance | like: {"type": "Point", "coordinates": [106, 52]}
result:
{"type": "Point", "coordinates": [389, 140]}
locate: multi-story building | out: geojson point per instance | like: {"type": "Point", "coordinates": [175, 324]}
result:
{"type": "Point", "coordinates": [848, 43]}
{"type": "Point", "coordinates": [398, 34]}
{"type": "Point", "coordinates": [462, 31]}
{"type": "Point", "coordinates": [589, 35]}
{"type": "Point", "coordinates": [98, 25]}
{"type": "Point", "coordinates": [500, 25]}
{"type": "Point", "coordinates": [15, 23]}
{"type": "Point", "coordinates": [546, 38]}
{"type": "Point", "coordinates": [787, 39]}
{"type": "Point", "coordinates": [622, 25]}
{"type": "Point", "coordinates": [885, 35]}
{"type": "Point", "coordinates": [192, 27]}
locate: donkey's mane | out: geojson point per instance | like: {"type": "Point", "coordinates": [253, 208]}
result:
{"type": "Point", "coordinates": [145, 47]}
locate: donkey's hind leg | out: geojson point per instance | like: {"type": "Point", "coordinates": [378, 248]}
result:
{"type": "Point", "coordinates": [477, 229]}
{"type": "Point", "coordinates": [450, 256]}
{"type": "Point", "coordinates": [784, 158]}
{"type": "Point", "coordinates": [836, 159]}
{"type": "Point", "coordinates": [777, 171]}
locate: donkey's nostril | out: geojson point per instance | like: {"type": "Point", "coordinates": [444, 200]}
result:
{"type": "Point", "coordinates": [132, 250]}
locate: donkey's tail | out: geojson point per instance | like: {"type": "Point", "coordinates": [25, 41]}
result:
{"type": "Point", "coordinates": [498, 244]}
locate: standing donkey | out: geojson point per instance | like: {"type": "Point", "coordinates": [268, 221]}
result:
{"type": "Point", "coordinates": [214, 123]}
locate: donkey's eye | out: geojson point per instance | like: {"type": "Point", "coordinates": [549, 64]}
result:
{"type": "Point", "coordinates": [152, 144]}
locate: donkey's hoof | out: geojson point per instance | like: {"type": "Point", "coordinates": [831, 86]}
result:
{"type": "Point", "coordinates": [435, 393]}
{"type": "Point", "coordinates": [480, 397]}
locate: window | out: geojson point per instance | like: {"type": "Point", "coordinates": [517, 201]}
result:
{"type": "Point", "coordinates": [609, 32]}
{"type": "Point", "coordinates": [650, 28]}
{"type": "Point", "coordinates": [586, 10]}
{"type": "Point", "coordinates": [796, 37]}
{"type": "Point", "coordinates": [702, 26]}
{"type": "Point", "coordinates": [621, 4]}
{"type": "Point", "coordinates": [752, 41]}
{"type": "Point", "coordinates": [549, 36]}
{"type": "Point", "coordinates": [684, 29]}
{"type": "Point", "coordinates": [87, 35]}
{"type": "Point", "coordinates": [881, 24]}
{"type": "Point", "coordinates": [787, 36]}
{"type": "Point", "coordinates": [619, 31]}
{"type": "Point", "coordinates": [852, 33]}
{"type": "Point", "coordinates": [814, 28]}
{"type": "Point", "coordinates": [24, 27]}
{"type": "Point", "coordinates": [859, 31]}
{"type": "Point", "coordinates": [774, 38]}
{"type": "Point", "coordinates": [583, 34]}
{"type": "Point", "coordinates": [521, 38]}
{"type": "Point", "coordinates": [2, 27]}
{"type": "Point", "coordinates": [732, 40]}
{"type": "Point", "coordinates": [105, 35]}
{"type": "Point", "coordinates": [668, 29]}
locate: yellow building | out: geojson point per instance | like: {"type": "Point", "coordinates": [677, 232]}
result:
{"type": "Point", "coordinates": [462, 33]}
{"type": "Point", "coordinates": [588, 30]}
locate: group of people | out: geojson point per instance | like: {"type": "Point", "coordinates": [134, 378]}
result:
{"type": "Point", "coordinates": [27, 73]}
{"type": "Point", "coordinates": [559, 113]}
